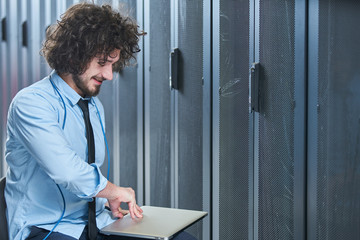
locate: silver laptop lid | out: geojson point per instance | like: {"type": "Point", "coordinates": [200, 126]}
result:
{"type": "Point", "coordinates": [157, 222]}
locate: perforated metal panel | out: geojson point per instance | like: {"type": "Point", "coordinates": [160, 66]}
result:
{"type": "Point", "coordinates": [234, 120]}
{"type": "Point", "coordinates": [276, 133]}
{"type": "Point", "coordinates": [190, 182]}
{"type": "Point", "coordinates": [159, 104]}
{"type": "Point", "coordinates": [338, 162]}
{"type": "Point", "coordinates": [128, 128]}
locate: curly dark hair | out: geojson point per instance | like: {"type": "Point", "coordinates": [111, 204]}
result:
{"type": "Point", "coordinates": [86, 31]}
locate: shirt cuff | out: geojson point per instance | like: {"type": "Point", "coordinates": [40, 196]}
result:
{"type": "Point", "coordinates": [102, 180]}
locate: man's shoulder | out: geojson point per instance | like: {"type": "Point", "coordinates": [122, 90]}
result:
{"type": "Point", "coordinates": [38, 94]}
{"type": "Point", "coordinates": [38, 89]}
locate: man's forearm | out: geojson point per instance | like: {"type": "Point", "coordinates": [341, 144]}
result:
{"type": "Point", "coordinates": [109, 192]}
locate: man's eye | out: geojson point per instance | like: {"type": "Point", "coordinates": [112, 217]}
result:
{"type": "Point", "coordinates": [101, 64]}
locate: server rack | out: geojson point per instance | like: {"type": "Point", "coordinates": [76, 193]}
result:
{"type": "Point", "coordinates": [286, 169]}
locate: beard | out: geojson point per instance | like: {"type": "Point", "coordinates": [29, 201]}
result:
{"type": "Point", "coordinates": [81, 84]}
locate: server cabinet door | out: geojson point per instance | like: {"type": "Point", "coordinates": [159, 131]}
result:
{"type": "Point", "coordinates": [174, 116]}
{"type": "Point", "coordinates": [232, 164]}
{"type": "Point", "coordinates": [157, 104]}
{"type": "Point", "coordinates": [334, 125]}
{"type": "Point", "coordinates": [188, 125]}
{"type": "Point", "coordinates": [280, 127]}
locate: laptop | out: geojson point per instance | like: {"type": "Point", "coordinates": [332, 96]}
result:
{"type": "Point", "coordinates": [156, 223]}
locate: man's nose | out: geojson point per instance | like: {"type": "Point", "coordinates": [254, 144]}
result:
{"type": "Point", "coordinates": [108, 72]}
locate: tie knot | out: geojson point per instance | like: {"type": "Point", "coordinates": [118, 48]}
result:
{"type": "Point", "coordinates": [83, 104]}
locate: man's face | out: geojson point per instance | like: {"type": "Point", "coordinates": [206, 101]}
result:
{"type": "Point", "coordinates": [89, 83]}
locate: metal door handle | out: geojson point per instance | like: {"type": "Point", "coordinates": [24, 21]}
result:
{"type": "Point", "coordinates": [254, 88]}
{"type": "Point", "coordinates": [3, 29]}
{"type": "Point", "coordinates": [174, 69]}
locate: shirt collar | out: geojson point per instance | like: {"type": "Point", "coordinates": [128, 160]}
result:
{"type": "Point", "coordinates": [66, 90]}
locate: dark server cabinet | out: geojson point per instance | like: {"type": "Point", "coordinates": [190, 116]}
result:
{"type": "Point", "coordinates": [189, 109]}
{"type": "Point", "coordinates": [334, 120]}
{"type": "Point", "coordinates": [259, 136]}
{"type": "Point", "coordinates": [281, 120]}
{"type": "Point", "coordinates": [158, 173]}
{"type": "Point", "coordinates": [232, 166]}
{"type": "Point", "coordinates": [177, 172]}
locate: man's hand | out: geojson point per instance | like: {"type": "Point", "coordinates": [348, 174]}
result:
{"type": "Point", "coordinates": [125, 195]}
{"type": "Point", "coordinates": [116, 195]}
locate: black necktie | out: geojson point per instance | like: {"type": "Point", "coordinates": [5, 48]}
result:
{"type": "Point", "coordinates": [83, 104]}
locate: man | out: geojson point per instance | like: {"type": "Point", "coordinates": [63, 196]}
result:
{"type": "Point", "coordinates": [55, 143]}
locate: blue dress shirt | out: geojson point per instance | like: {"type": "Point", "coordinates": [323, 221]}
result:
{"type": "Point", "coordinates": [40, 154]}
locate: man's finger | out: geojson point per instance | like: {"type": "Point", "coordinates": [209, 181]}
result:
{"type": "Point", "coordinates": [132, 214]}
{"type": "Point", "coordinates": [118, 214]}
{"type": "Point", "coordinates": [123, 211]}
{"type": "Point", "coordinates": [139, 208]}
{"type": "Point", "coordinates": [137, 212]}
